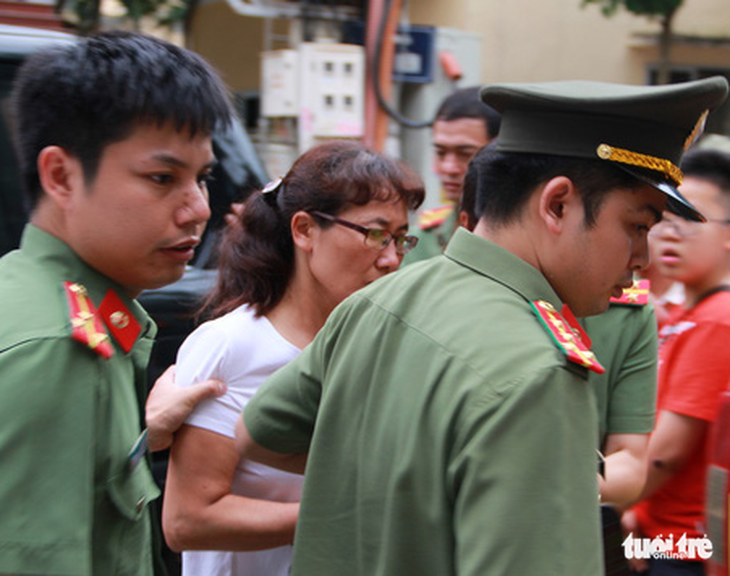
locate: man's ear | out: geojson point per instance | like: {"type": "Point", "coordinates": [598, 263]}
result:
{"type": "Point", "coordinates": [303, 230]}
{"type": "Point", "coordinates": [557, 197]}
{"type": "Point", "coordinates": [464, 219]}
{"type": "Point", "coordinates": [60, 174]}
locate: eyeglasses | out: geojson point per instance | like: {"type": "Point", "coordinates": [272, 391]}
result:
{"type": "Point", "coordinates": [375, 238]}
{"type": "Point", "coordinates": [682, 227]}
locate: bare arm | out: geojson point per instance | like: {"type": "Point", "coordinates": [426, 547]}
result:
{"type": "Point", "coordinates": [169, 405]}
{"type": "Point", "coordinates": [199, 511]}
{"type": "Point", "coordinates": [630, 525]}
{"type": "Point", "coordinates": [625, 468]}
{"type": "Point", "coordinates": [247, 447]}
{"type": "Point", "coordinates": [674, 440]}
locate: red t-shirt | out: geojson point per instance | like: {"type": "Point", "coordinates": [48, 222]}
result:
{"type": "Point", "coordinates": [694, 369]}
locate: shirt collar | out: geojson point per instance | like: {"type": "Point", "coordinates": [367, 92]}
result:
{"type": "Point", "coordinates": [58, 258]}
{"type": "Point", "coordinates": [497, 263]}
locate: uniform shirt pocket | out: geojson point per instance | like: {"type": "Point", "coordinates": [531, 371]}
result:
{"type": "Point", "coordinates": [132, 490]}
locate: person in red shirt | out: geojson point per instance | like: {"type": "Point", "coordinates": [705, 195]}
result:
{"type": "Point", "coordinates": [666, 294]}
{"type": "Point", "coordinates": [693, 367]}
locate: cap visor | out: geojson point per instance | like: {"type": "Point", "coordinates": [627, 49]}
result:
{"type": "Point", "coordinates": [676, 203]}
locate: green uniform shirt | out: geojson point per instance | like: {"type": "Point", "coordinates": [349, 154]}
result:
{"type": "Point", "coordinates": [446, 435]}
{"type": "Point", "coordinates": [71, 501]}
{"type": "Point", "coordinates": [625, 342]}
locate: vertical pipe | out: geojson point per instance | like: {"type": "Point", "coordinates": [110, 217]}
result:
{"type": "Point", "coordinates": [376, 119]}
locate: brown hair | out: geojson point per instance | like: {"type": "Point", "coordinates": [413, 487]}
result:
{"type": "Point", "coordinates": [257, 252]}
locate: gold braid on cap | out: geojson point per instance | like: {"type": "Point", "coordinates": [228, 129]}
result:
{"type": "Point", "coordinates": [606, 152]}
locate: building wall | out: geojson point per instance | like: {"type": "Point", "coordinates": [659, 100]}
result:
{"type": "Point", "coordinates": [526, 41]}
{"type": "Point", "coordinates": [705, 18]}
{"type": "Point", "coordinates": [522, 40]}
{"type": "Point", "coordinates": [232, 43]}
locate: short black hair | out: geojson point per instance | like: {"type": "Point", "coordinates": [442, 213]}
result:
{"type": "Point", "coordinates": [466, 103]}
{"type": "Point", "coordinates": [91, 93]}
{"type": "Point", "coordinates": [504, 181]}
{"type": "Point", "coordinates": [710, 165]}
{"type": "Point", "coordinates": [468, 198]}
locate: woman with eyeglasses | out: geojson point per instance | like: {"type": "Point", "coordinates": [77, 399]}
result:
{"type": "Point", "coordinates": [335, 223]}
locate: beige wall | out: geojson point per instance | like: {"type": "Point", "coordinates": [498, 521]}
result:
{"type": "Point", "coordinates": [232, 43]}
{"type": "Point", "coordinates": [528, 40]}
{"type": "Point", "coordinates": [523, 40]}
{"type": "Point", "coordinates": [704, 17]}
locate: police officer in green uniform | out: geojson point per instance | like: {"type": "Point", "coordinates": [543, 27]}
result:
{"type": "Point", "coordinates": [114, 140]}
{"type": "Point", "coordinates": [457, 435]}
{"type": "Point", "coordinates": [463, 125]}
{"type": "Point", "coordinates": [624, 339]}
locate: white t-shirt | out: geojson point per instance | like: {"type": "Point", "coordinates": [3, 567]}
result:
{"type": "Point", "coordinates": [242, 351]}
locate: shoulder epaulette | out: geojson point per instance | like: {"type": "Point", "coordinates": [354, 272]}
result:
{"type": "Point", "coordinates": [434, 217]}
{"type": "Point", "coordinates": [575, 326]}
{"type": "Point", "coordinates": [86, 326]}
{"type": "Point", "coordinates": [636, 295]}
{"type": "Point", "coordinates": [565, 338]}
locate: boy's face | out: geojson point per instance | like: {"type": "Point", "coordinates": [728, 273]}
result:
{"type": "Point", "coordinates": [695, 253]}
{"type": "Point", "coordinates": [140, 219]}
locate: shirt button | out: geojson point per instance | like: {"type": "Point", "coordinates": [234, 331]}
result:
{"type": "Point", "coordinates": [140, 505]}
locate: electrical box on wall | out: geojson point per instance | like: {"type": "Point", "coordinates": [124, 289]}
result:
{"type": "Point", "coordinates": [332, 89]}
{"type": "Point", "coordinates": [313, 93]}
{"type": "Point", "coordinates": [279, 84]}
{"type": "Point", "coordinates": [320, 85]}
{"type": "Point", "coordinates": [415, 56]}
{"type": "Point", "coordinates": [420, 101]}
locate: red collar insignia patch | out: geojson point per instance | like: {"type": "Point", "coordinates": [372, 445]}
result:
{"type": "Point", "coordinates": [568, 340]}
{"type": "Point", "coordinates": [119, 320]}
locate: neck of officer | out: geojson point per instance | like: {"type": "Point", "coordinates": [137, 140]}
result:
{"type": "Point", "coordinates": [513, 237]}
{"type": "Point", "coordinates": [47, 217]}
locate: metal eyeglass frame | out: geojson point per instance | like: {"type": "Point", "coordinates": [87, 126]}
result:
{"type": "Point", "coordinates": [375, 238]}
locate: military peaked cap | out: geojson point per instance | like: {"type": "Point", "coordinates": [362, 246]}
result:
{"type": "Point", "coordinates": [642, 129]}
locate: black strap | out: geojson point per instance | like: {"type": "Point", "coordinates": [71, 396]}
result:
{"type": "Point", "coordinates": [712, 292]}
